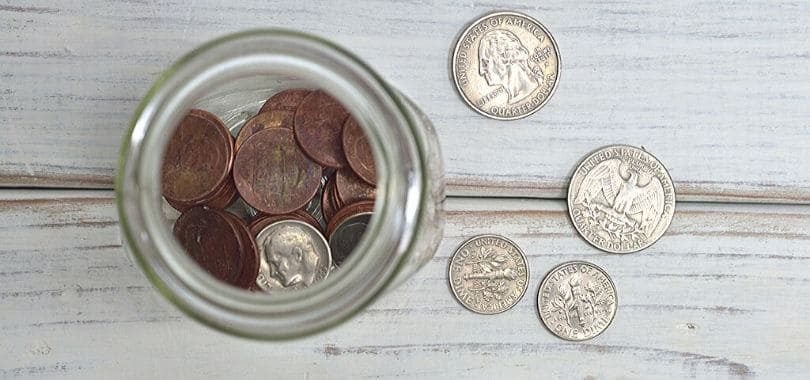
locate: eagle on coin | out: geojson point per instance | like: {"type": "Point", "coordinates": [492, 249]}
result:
{"type": "Point", "coordinates": [624, 193]}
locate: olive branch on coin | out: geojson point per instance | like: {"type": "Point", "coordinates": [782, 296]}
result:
{"type": "Point", "coordinates": [489, 277]}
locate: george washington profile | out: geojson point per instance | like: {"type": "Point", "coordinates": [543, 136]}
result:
{"type": "Point", "coordinates": [504, 61]}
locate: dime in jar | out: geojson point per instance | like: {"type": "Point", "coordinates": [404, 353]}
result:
{"type": "Point", "coordinates": [506, 65]}
{"type": "Point", "coordinates": [488, 274]}
{"type": "Point", "coordinates": [294, 255]}
{"type": "Point", "coordinates": [621, 199]}
{"type": "Point", "coordinates": [577, 301]}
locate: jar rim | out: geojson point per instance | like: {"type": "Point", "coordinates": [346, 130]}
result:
{"type": "Point", "coordinates": [400, 192]}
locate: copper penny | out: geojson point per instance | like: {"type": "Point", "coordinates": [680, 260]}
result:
{"type": "Point", "coordinates": [211, 241]}
{"type": "Point", "coordinates": [319, 127]}
{"type": "Point", "coordinates": [197, 159]}
{"type": "Point", "coordinates": [350, 188]}
{"type": "Point", "coordinates": [225, 196]}
{"type": "Point", "coordinates": [272, 174]}
{"type": "Point", "coordinates": [258, 224]}
{"type": "Point", "coordinates": [265, 120]}
{"type": "Point", "coordinates": [309, 219]}
{"type": "Point", "coordinates": [358, 151]}
{"type": "Point", "coordinates": [346, 212]}
{"type": "Point", "coordinates": [250, 252]}
{"type": "Point", "coordinates": [328, 206]}
{"type": "Point", "coordinates": [265, 220]}
{"type": "Point", "coordinates": [287, 100]}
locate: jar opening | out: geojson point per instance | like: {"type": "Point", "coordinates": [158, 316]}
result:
{"type": "Point", "coordinates": [263, 62]}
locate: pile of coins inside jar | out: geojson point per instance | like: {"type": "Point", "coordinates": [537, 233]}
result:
{"type": "Point", "coordinates": [283, 203]}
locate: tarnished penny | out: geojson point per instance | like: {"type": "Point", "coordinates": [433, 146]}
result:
{"type": "Point", "coordinates": [346, 235]}
{"type": "Point", "coordinates": [350, 188]}
{"type": "Point", "coordinates": [347, 211]}
{"type": "Point", "coordinates": [577, 301]}
{"type": "Point", "coordinates": [272, 174]}
{"type": "Point", "coordinates": [263, 221]}
{"type": "Point", "coordinates": [358, 151]}
{"type": "Point", "coordinates": [621, 199]}
{"type": "Point", "coordinates": [506, 65]}
{"type": "Point", "coordinates": [328, 206]}
{"type": "Point", "coordinates": [265, 120]}
{"type": "Point", "coordinates": [287, 100]}
{"type": "Point", "coordinates": [319, 127]}
{"type": "Point", "coordinates": [489, 274]}
{"type": "Point", "coordinates": [293, 255]}
{"type": "Point", "coordinates": [212, 242]}
{"type": "Point", "coordinates": [250, 253]}
{"type": "Point", "coordinates": [197, 159]}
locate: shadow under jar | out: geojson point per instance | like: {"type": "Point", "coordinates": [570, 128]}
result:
{"type": "Point", "coordinates": [232, 77]}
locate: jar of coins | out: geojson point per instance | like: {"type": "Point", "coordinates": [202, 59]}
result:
{"type": "Point", "coordinates": [272, 185]}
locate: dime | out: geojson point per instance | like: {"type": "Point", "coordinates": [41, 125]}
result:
{"type": "Point", "coordinates": [264, 120]}
{"type": "Point", "coordinates": [577, 301]}
{"type": "Point", "coordinates": [211, 240]}
{"type": "Point", "coordinates": [506, 65]}
{"type": "Point", "coordinates": [351, 189]}
{"type": "Point", "coordinates": [347, 235]}
{"type": "Point", "coordinates": [488, 274]}
{"type": "Point", "coordinates": [358, 152]}
{"type": "Point", "coordinates": [293, 254]}
{"type": "Point", "coordinates": [272, 174]}
{"type": "Point", "coordinates": [621, 199]}
{"type": "Point", "coordinates": [318, 129]}
{"type": "Point", "coordinates": [287, 100]}
{"type": "Point", "coordinates": [197, 160]}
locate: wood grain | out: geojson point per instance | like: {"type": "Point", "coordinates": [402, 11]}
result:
{"type": "Point", "coordinates": [717, 90]}
{"type": "Point", "coordinates": [722, 295]}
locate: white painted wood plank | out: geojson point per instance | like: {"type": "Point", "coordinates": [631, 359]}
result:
{"type": "Point", "coordinates": [722, 295]}
{"type": "Point", "coordinates": [717, 90]}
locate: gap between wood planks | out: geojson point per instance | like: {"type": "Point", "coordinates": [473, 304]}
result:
{"type": "Point", "coordinates": [36, 193]}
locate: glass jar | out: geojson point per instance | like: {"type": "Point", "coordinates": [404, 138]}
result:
{"type": "Point", "coordinates": [231, 77]}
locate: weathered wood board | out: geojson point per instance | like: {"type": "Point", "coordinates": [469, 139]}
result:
{"type": "Point", "coordinates": [722, 295]}
{"type": "Point", "coordinates": [719, 91]}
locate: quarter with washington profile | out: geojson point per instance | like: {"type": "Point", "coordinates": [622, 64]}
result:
{"type": "Point", "coordinates": [506, 65]}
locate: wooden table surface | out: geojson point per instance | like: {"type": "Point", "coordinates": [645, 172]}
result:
{"type": "Point", "coordinates": [719, 91]}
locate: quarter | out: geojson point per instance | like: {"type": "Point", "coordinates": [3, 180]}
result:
{"type": "Point", "coordinates": [506, 65]}
{"type": "Point", "coordinates": [621, 199]}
